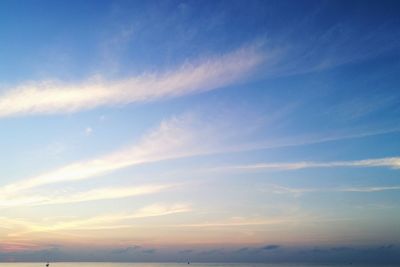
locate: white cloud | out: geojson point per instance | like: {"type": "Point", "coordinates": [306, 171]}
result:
{"type": "Point", "coordinates": [177, 137]}
{"type": "Point", "coordinates": [259, 221]}
{"type": "Point", "coordinates": [107, 221]}
{"type": "Point", "coordinates": [18, 200]}
{"type": "Point", "coordinates": [392, 162]}
{"type": "Point", "coordinates": [278, 189]}
{"type": "Point", "coordinates": [49, 97]}
{"type": "Point", "coordinates": [370, 189]}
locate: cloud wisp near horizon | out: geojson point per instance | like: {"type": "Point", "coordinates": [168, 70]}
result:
{"type": "Point", "coordinates": [392, 163]}
{"type": "Point", "coordinates": [278, 189]}
{"type": "Point", "coordinates": [109, 221]}
{"type": "Point", "coordinates": [106, 193]}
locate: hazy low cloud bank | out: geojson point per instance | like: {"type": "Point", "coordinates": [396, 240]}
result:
{"type": "Point", "coordinates": [388, 254]}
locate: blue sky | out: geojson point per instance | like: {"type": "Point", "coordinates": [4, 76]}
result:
{"type": "Point", "coordinates": [251, 130]}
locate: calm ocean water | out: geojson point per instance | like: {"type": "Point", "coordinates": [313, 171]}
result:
{"type": "Point", "coordinates": [100, 264]}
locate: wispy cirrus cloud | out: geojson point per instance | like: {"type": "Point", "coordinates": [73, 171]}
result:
{"type": "Point", "coordinates": [32, 199]}
{"type": "Point", "coordinates": [390, 162]}
{"type": "Point", "coordinates": [370, 189]}
{"type": "Point", "coordinates": [108, 221]}
{"type": "Point", "coordinates": [278, 189]}
{"type": "Point", "coordinates": [174, 138]}
{"type": "Point", "coordinates": [51, 97]}
{"type": "Point", "coordinates": [258, 221]}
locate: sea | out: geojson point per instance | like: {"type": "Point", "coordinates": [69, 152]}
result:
{"type": "Point", "coordinates": [138, 264]}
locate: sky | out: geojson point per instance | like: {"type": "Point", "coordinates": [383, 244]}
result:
{"type": "Point", "coordinates": [200, 130]}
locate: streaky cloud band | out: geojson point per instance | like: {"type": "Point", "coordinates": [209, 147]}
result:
{"type": "Point", "coordinates": [160, 144]}
{"type": "Point", "coordinates": [56, 97]}
{"type": "Point", "coordinates": [389, 162]}
{"type": "Point", "coordinates": [105, 193]}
